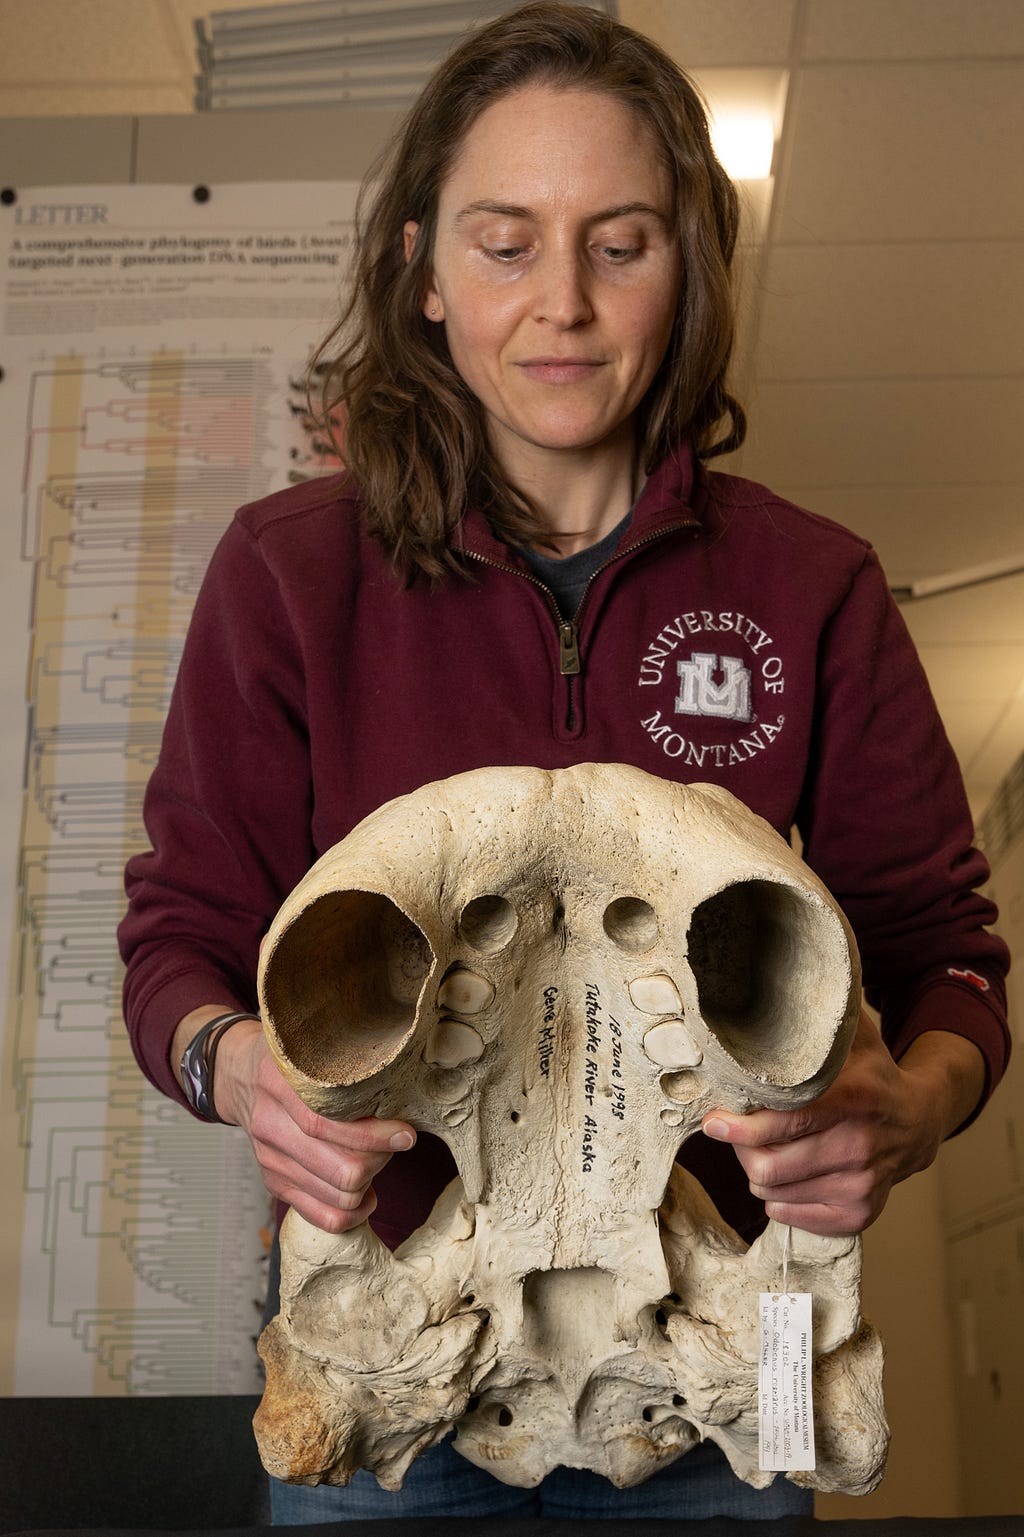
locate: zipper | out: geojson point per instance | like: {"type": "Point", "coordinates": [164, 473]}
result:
{"type": "Point", "coordinates": [570, 663]}
{"type": "Point", "coordinates": [568, 648]}
{"type": "Point", "coordinates": [569, 644]}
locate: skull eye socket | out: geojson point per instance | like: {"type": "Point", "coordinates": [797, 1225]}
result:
{"type": "Point", "coordinates": [342, 985]}
{"type": "Point", "coordinates": [488, 923]}
{"type": "Point", "coordinates": [772, 970]}
{"type": "Point", "coordinates": [631, 923]}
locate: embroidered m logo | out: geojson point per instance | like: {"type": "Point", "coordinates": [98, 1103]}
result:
{"type": "Point", "coordinates": [700, 694]}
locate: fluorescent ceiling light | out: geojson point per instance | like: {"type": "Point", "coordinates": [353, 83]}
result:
{"type": "Point", "coordinates": [745, 111]}
{"type": "Point", "coordinates": [744, 142]}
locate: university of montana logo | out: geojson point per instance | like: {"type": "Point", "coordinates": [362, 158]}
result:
{"type": "Point", "coordinates": [716, 683]}
{"type": "Point", "coordinates": [699, 694]}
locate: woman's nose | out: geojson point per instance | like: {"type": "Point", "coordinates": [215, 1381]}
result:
{"type": "Point", "coordinates": [563, 291]}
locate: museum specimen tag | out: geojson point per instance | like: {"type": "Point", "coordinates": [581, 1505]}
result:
{"type": "Point", "coordinates": [785, 1420]}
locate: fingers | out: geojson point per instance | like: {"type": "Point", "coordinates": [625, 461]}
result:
{"type": "Point", "coordinates": [826, 1220]}
{"type": "Point", "coordinates": [830, 1179]}
{"type": "Point", "coordinates": [324, 1168]}
{"type": "Point", "coordinates": [827, 1166]}
{"type": "Point", "coordinates": [844, 1201]}
{"type": "Point", "coordinates": [330, 1168]}
{"type": "Point", "coordinates": [325, 1207]}
{"type": "Point", "coordinates": [765, 1128]}
{"type": "Point", "coordinates": [830, 1203]}
{"type": "Point", "coordinates": [774, 1156]}
{"type": "Point", "coordinates": [369, 1136]}
{"type": "Point", "coordinates": [322, 1214]}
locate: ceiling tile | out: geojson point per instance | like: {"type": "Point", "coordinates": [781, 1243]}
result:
{"type": "Point", "coordinates": [951, 432]}
{"type": "Point", "coordinates": [699, 32]}
{"type": "Point", "coordinates": [912, 29]}
{"type": "Point", "coordinates": [95, 101]}
{"type": "Point", "coordinates": [108, 42]}
{"type": "Point", "coordinates": [928, 530]}
{"type": "Point", "coordinates": [967, 672]}
{"type": "Point", "coordinates": [880, 152]}
{"type": "Point", "coordinates": [906, 310]}
{"type": "Point", "coordinates": [179, 29]}
{"type": "Point", "coordinates": [992, 615]}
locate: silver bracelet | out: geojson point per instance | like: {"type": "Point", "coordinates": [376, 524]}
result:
{"type": "Point", "coordinates": [196, 1070]}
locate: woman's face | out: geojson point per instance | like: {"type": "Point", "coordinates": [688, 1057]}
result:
{"type": "Point", "coordinates": [555, 270]}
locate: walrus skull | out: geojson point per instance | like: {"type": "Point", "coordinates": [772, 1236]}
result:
{"type": "Point", "coordinates": [559, 973]}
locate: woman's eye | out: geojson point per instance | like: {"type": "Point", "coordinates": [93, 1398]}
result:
{"type": "Point", "coordinates": [504, 253]}
{"type": "Point", "coordinates": [620, 253]}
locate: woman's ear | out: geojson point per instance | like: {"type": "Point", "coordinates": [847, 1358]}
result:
{"type": "Point", "coordinates": [431, 302]}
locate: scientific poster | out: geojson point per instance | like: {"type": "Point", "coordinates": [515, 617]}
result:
{"type": "Point", "coordinates": [153, 347]}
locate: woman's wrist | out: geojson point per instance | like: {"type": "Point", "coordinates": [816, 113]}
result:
{"type": "Point", "coordinates": [949, 1072]}
{"type": "Point", "coordinates": [237, 1060]}
{"type": "Point", "coordinates": [227, 1065]}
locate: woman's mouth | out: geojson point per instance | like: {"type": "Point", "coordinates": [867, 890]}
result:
{"type": "Point", "coordinates": [559, 370]}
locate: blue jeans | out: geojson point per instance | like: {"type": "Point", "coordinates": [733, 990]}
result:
{"type": "Point", "coordinates": [441, 1483]}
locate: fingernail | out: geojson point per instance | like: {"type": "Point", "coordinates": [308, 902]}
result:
{"type": "Point", "coordinates": [717, 1129]}
{"type": "Point", "coordinates": [401, 1142]}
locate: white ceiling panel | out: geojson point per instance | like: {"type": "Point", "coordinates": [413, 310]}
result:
{"type": "Point", "coordinates": [976, 674]}
{"type": "Point", "coordinates": [886, 433]}
{"type": "Point", "coordinates": [991, 615]}
{"type": "Point", "coordinates": [104, 42]}
{"type": "Point", "coordinates": [912, 29]}
{"type": "Point", "coordinates": [114, 101]}
{"type": "Point", "coordinates": [698, 32]}
{"type": "Point", "coordinates": [928, 530]}
{"type": "Point", "coordinates": [907, 310]}
{"type": "Point", "coordinates": [879, 152]}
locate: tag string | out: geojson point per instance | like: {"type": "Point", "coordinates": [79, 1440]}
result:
{"type": "Point", "coordinates": [785, 1260]}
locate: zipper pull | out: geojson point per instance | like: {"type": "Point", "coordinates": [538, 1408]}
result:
{"type": "Point", "coordinates": [568, 650]}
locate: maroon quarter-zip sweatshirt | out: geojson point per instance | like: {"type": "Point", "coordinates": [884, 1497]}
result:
{"type": "Point", "coordinates": [731, 638]}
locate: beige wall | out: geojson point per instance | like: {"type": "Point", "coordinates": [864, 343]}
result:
{"type": "Point", "coordinates": [905, 1298]}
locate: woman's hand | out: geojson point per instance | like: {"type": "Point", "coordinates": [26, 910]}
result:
{"type": "Point", "coordinates": [828, 1167]}
{"type": "Point", "coordinates": [323, 1168]}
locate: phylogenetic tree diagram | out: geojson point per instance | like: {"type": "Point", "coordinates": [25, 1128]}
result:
{"type": "Point", "coordinates": [140, 1232]}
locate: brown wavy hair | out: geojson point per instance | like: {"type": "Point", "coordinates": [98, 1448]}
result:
{"type": "Point", "coordinates": [415, 440]}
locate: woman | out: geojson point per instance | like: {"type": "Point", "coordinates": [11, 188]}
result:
{"type": "Point", "coordinates": [528, 562]}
